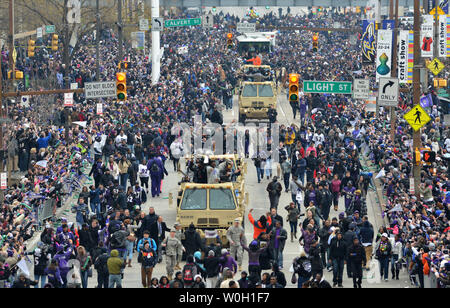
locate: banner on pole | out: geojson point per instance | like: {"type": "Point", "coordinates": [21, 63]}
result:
{"type": "Point", "coordinates": [368, 42]}
{"type": "Point", "coordinates": [410, 56]}
{"type": "Point", "coordinates": [403, 44]}
{"type": "Point", "coordinates": [426, 36]}
{"type": "Point", "coordinates": [442, 42]}
{"type": "Point", "coordinates": [388, 24]}
{"type": "Point", "coordinates": [448, 35]}
{"type": "Point", "coordinates": [384, 53]}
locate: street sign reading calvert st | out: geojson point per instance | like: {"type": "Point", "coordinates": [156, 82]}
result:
{"type": "Point", "coordinates": [330, 87]}
{"type": "Point", "coordinates": [182, 22]}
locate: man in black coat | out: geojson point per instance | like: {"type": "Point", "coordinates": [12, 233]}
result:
{"type": "Point", "coordinates": [85, 238]}
{"type": "Point", "coordinates": [274, 189]}
{"type": "Point", "coordinates": [356, 257]}
{"type": "Point", "coordinates": [338, 253]}
{"type": "Point", "coordinates": [192, 241]}
{"type": "Point", "coordinates": [316, 261]}
{"type": "Point", "coordinates": [212, 267]}
{"type": "Point", "coordinates": [158, 233]}
{"type": "Point", "coordinates": [148, 220]}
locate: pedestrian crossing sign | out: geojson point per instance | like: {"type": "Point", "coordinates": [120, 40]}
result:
{"type": "Point", "coordinates": [417, 117]}
{"type": "Point", "coordinates": [439, 11]}
{"type": "Point", "coordinates": [436, 66]}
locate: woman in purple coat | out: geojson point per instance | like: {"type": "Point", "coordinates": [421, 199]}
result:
{"type": "Point", "coordinates": [157, 170]}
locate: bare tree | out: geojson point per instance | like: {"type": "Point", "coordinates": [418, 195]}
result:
{"type": "Point", "coordinates": [54, 12]}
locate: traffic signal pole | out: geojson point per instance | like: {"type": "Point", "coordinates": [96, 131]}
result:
{"type": "Point", "coordinates": [97, 40]}
{"type": "Point", "coordinates": [119, 29]}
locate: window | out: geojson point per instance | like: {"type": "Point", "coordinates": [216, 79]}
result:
{"type": "Point", "coordinates": [194, 199]}
{"type": "Point", "coordinates": [250, 90]}
{"type": "Point", "coordinates": [221, 199]}
{"type": "Point", "coordinates": [265, 90]}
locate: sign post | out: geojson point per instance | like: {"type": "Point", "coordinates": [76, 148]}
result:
{"type": "Point", "coordinates": [99, 108]}
{"type": "Point", "coordinates": [3, 180]}
{"type": "Point", "coordinates": [246, 27]}
{"type": "Point", "coordinates": [157, 24]}
{"type": "Point", "coordinates": [143, 25]}
{"type": "Point", "coordinates": [182, 22]}
{"type": "Point", "coordinates": [336, 87]}
{"type": "Point", "coordinates": [100, 89]}
{"type": "Point", "coordinates": [361, 88]}
{"type": "Point", "coordinates": [417, 117]}
{"type": "Point", "coordinates": [208, 21]}
{"type": "Point", "coordinates": [68, 99]}
{"type": "Point", "coordinates": [388, 92]}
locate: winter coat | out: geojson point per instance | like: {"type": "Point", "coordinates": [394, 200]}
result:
{"type": "Point", "coordinates": [115, 264]}
{"type": "Point", "coordinates": [356, 254]}
{"type": "Point", "coordinates": [192, 241]}
{"type": "Point", "coordinates": [338, 249]}
{"type": "Point", "coordinates": [212, 266]}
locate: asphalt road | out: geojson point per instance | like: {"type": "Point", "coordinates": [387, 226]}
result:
{"type": "Point", "coordinates": [258, 200]}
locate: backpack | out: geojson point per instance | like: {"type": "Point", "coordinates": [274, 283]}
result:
{"type": "Point", "coordinates": [118, 239]}
{"type": "Point", "coordinates": [154, 168]}
{"type": "Point", "coordinates": [304, 268]}
{"type": "Point", "coordinates": [101, 264]}
{"type": "Point", "coordinates": [189, 272]}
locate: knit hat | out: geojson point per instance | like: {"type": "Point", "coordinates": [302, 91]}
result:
{"type": "Point", "coordinates": [211, 253]}
{"type": "Point", "coordinates": [342, 215]}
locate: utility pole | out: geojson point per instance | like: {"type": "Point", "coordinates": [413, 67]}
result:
{"type": "Point", "coordinates": [1, 124]}
{"type": "Point", "coordinates": [13, 75]}
{"type": "Point", "coordinates": [394, 70]}
{"type": "Point", "coordinates": [417, 142]}
{"type": "Point", "coordinates": [119, 29]}
{"type": "Point", "coordinates": [436, 29]}
{"type": "Point", "coordinates": [11, 42]}
{"type": "Point", "coordinates": [156, 46]}
{"type": "Point", "coordinates": [97, 39]}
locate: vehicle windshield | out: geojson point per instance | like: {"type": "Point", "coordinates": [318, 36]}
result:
{"type": "Point", "coordinates": [265, 90]}
{"type": "Point", "coordinates": [194, 199]}
{"type": "Point", "coordinates": [250, 90]}
{"type": "Point", "coordinates": [221, 199]}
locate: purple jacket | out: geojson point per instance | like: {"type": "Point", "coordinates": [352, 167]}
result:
{"type": "Point", "coordinates": [160, 165]}
{"type": "Point", "coordinates": [308, 239]}
{"type": "Point", "coordinates": [228, 262]}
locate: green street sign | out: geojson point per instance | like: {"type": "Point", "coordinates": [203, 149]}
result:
{"type": "Point", "coordinates": [336, 87]}
{"type": "Point", "coordinates": [182, 22]}
{"type": "Point", "coordinates": [50, 29]}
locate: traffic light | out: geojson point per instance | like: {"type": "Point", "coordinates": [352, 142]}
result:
{"type": "Point", "coordinates": [315, 43]}
{"type": "Point", "coordinates": [293, 88]}
{"type": "Point", "coordinates": [429, 157]}
{"type": "Point", "coordinates": [230, 40]}
{"type": "Point", "coordinates": [121, 84]}
{"type": "Point", "coordinates": [124, 65]}
{"type": "Point", "coordinates": [31, 48]}
{"type": "Point", "coordinates": [55, 42]}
